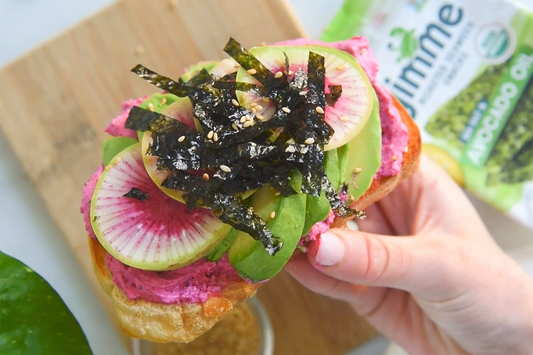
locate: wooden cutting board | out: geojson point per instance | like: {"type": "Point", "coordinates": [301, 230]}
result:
{"type": "Point", "coordinates": [56, 101]}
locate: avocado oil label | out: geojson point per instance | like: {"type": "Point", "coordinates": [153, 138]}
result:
{"type": "Point", "coordinates": [462, 69]}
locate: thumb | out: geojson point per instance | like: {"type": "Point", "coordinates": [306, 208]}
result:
{"type": "Point", "coordinates": [413, 264]}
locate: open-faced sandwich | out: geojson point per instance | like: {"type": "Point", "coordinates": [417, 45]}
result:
{"type": "Point", "coordinates": [209, 186]}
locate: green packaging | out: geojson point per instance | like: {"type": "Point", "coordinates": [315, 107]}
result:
{"type": "Point", "coordinates": [463, 70]}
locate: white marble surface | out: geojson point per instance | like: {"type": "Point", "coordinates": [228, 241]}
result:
{"type": "Point", "coordinates": [29, 234]}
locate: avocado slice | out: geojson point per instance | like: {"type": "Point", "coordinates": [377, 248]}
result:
{"type": "Point", "coordinates": [223, 247]}
{"type": "Point", "coordinates": [248, 256]}
{"type": "Point", "coordinates": [114, 145]}
{"type": "Point", "coordinates": [364, 152]}
{"type": "Point", "coordinates": [318, 208]}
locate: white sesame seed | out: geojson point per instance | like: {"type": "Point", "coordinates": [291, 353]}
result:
{"type": "Point", "coordinates": [340, 67]}
{"type": "Point", "coordinates": [273, 214]}
{"type": "Point", "coordinates": [181, 139]}
{"type": "Point", "coordinates": [319, 110]}
{"type": "Point", "coordinates": [394, 158]}
{"type": "Point", "coordinates": [244, 119]}
{"type": "Point", "coordinates": [252, 122]}
{"type": "Point", "coordinates": [151, 107]}
{"type": "Point", "coordinates": [251, 71]}
{"type": "Point", "coordinates": [244, 96]}
{"type": "Point", "coordinates": [225, 168]}
{"type": "Point", "coordinates": [309, 141]}
{"type": "Point", "coordinates": [253, 110]}
{"type": "Point", "coordinates": [351, 198]}
{"type": "Point", "coordinates": [357, 170]}
{"type": "Point", "coordinates": [290, 72]}
{"type": "Point", "coordinates": [163, 100]}
{"type": "Point", "coordinates": [118, 159]}
{"type": "Point", "coordinates": [247, 124]}
{"type": "Point", "coordinates": [278, 75]}
{"type": "Point", "coordinates": [258, 107]}
{"type": "Point", "coordinates": [406, 149]}
{"type": "Point", "coordinates": [260, 117]}
{"type": "Point", "coordinates": [210, 135]}
{"type": "Point", "coordinates": [235, 102]}
{"type": "Point", "coordinates": [302, 93]}
{"type": "Point", "coordinates": [234, 126]}
{"type": "Point", "coordinates": [277, 194]}
{"type": "Point", "coordinates": [215, 137]}
{"type": "Point", "coordinates": [205, 177]}
{"type": "Point", "coordinates": [253, 104]}
{"type": "Point", "coordinates": [139, 50]}
{"type": "Point", "coordinates": [344, 118]}
{"type": "Point", "coordinates": [265, 99]}
{"type": "Point", "coordinates": [237, 66]}
{"type": "Point", "coordinates": [285, 109]}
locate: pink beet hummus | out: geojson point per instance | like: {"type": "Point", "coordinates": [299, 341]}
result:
{"type": "Point", "coordinates": [195, 283]}
{"type": "Point", "coordinates": [395, 136]}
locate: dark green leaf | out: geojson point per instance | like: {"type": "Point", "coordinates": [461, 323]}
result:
{"type": "Point", "coordinates": [33, 318]}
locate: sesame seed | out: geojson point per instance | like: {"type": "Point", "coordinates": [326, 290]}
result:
{"type": "Point", "coordinates": [351, 198]}
{"type": "Point", "coordinates": [205, 177]}
{"type": "Point", "coordinates": [244, 96]}
{"type": "Point", "coordinates": [277, 194]}
{"type": "Point", "coordinates": [265, 99]}
{"type": "Point", "coordinates": [237, 66]}
{"type": "Point", "coordinates": [235, 102]}
{"type": "Point", "coordinates": [181, 139]}
{"type": "Point", "coordinates": [357, 170]}
{"type": "Point", "coordinates": [139, 50]}
{"type": "Point", "coordinates": [340, 67]}
{"type": "Point", "coordinates": [302, 93]}
{"type": "Point", "coordinates": [344, 118]}
{"type": "Point", "coordinates": [285, 109]}
{"type": "Point", "coordinates": [234, 126]}
{"type": "Point", "coordinates": [251, 71]}
{"type": "Point", "coordinates": [309, 141]}
{"type": "Point", "coordinates": [163, 100]}
{"type": "Point", "coordinates": [260, 117]}
{"type": "Point", "coordinates": [273, 214]}
{"type": "Point", "coordinates": [118, 159]}
{"type": "Point", "coordinates": [394, 158]}
{"type": "Point", "coordinates": [290, 72]}
{"type": "Point", "coordinates": [151, 107]}
{"type": "Point", "coordinates": [406, 149]}
{"type": "Point", "coordinates": [210, 135]}
{"type": "Point", "coordinates": [247, 124]}
{"type": "Point", "coordinates": [253, 104]}
{"type": "Point", "coordinates": [291, 141]}
{"type": "Point", "coordinates": [215, 137]}
{"type": "Point", "coordinates": [278, 75]}
{"type": "Point", "coordinates": [225, 168]}
{"type": "Point", "coordinates": [319, 110]}
{"type": "Point", "coordinates": [258, 107]}
{"type": "Point", "coordinates": [244, 119]}
{"type": "Point", "coordinates": [253, 110]}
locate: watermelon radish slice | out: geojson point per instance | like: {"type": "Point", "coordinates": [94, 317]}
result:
{"type": "Point", "coordinates": [143, 227]}
{"type": "Point", "coordinates": [225, 67]}
{"type": "Point", "coordinates": [350, 112]}
{"type": "Point", "coordinates": [180, 110]}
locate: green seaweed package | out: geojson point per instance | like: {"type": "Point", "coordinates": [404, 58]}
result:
{"type": "Point", "coordinates": [465, 76]}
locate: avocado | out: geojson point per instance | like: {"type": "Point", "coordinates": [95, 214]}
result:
{"type": "Point", "coordinates": [364, 152]}
{"type": "Point", "coordinates": [318, 208]}
{"type": "Point", "coordinates": [114, 145]}
{"type": "Point", "coordinates": [222, 248]}
{"type": "Point", "coordinates": [247, 255]}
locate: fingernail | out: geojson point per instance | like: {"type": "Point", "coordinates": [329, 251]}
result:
{"type": "Point", "coordinates": [330, 250]}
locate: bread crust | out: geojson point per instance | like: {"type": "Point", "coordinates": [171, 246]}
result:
{"type": "Point", "coordinates": [185, 322]}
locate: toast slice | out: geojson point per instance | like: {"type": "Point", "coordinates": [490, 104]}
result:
{"type": "Point", "coordinates": [185, 322]}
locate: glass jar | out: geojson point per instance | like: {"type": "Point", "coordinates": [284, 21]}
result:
{"type": "Point", "coordinates": [246, 330]}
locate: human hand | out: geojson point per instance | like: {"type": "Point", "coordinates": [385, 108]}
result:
{"type": "Point", "coordinates": [441, 286]}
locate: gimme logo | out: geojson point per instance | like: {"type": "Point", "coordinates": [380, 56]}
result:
{"type": "Point", "coordinates": [424, 54]}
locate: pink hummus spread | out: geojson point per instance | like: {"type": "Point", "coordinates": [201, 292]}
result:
{"type": "Point", "coordinates": [196, 282]}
